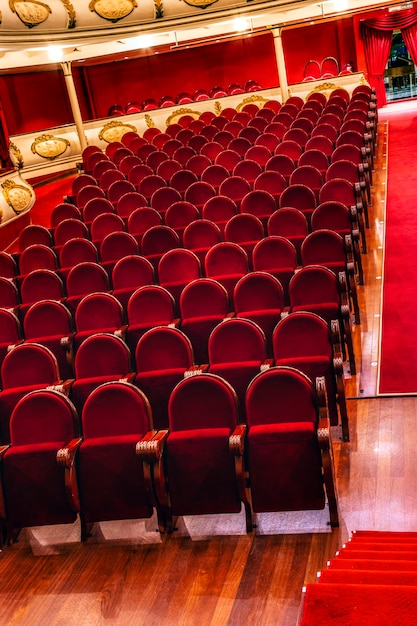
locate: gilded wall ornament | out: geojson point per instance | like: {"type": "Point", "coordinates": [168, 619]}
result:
{"type": "Point", "coordinates": [159, 9]}
{"type": "Point", "coordinates": [200, 4]}
{"type": "Point", "coordinates": [30, 12]}
{"type": "Point", "coordinates": [322, 87]}
{"type": "Point", "coordinates": [18, 197]}
{"type": "Point", "coordinates": [217, 108]}
{"type": "Point", "coordinates": [255, 99]}
{"type": "Point", "coordinates": [175, 116]}
{"type": "Point", "coordinates": [17, 155]}
{"type": "Point", "coordinates": [49, 147]}
{"type": "Point", "coordinates": [112, 10]}
{"type": "Point", "coordinates": [71, 13]}
{"type": "Point", "coordinates": [149, 121]}
{"type": "Point", "coordinates": [114, 131]}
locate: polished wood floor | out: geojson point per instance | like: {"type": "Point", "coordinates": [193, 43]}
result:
{"type": "Point", "coordinates": [210, 571]}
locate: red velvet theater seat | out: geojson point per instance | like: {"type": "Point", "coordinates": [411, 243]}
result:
{"type": "Point", "coordinates": [129, 274]}
{"type": "Point", "coordinates": [204, 449]}
{"type": "Point", "coordinates": [277, 256]}
{"type": "Point", "coordinates": [10, 331]}
{"type": "Point", "coordinates": [98, 313]}
{"type": "Point", "coordinates": [40, 285]}
{"type": "Point", "coordinates": [204, 303]}
{"type": "Point", "coordinates": [303, 340]}
{"type": "Point", "coordinates": [113, 484]}
{"type": "Point", "coordinates": [176, 269]}
{"type": "Point", "coordinates": [9, 295]}
{"type": "Point", "coordinates": [246, 230]}
{"type": "Point", "coordinates": [149, 306]}
{"type": "Point", "coordinates": [8, 265]}
{"type": "Point", "coordinates": [85, 278]}
{"type": "Point", "coordinates": [27, 367]}
{"type": "Point", "coordinates": [317, 289]}
{"type": "Point", "coordinates": [226, 262]}
{"type": "Point", "coordinates": [259, 296]}
{"type": "Point", "coordinates": [289, 448]}
{"type": "Point", "coordinates": [200, 236]}
{"type": "Point", "coordinates": [34, 488]}
{"type": "Point", "coordinates": [163, 356]}
{"type": "Point", "coordinates": [237, 352]}
{"type": "Point", "coordinates": [100, 358]}
{"type": "Point", "coordinates": [50, 323]}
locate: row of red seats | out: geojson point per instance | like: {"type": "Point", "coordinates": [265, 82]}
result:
{"type": "Point", "coordinates": [182, 98]}
{"type": "Point", "coordinates": [122, 468]}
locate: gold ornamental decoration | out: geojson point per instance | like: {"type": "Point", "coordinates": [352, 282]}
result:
{"type": "Point", "coordinates": [114, 131]}
{"type": "Point", "coordinates": [322, 87]}
{"type": "Point", "coordinates": [200, 4]}
{"type": "Point", "coordinates": [17, 155]}
{"type": "Point", "coordinates": [49, 146]}
{"type": "Point", "coordinates": [71, 13]}
{"type": "Point", "coordinates": [217, 108]}
{"type": "Point", "coordinates": [18, 197]}
{"type": "Point", "coordinates": [30, 12]}
{"type": "Point", "coordinates": [255, 99]}
{"type": "Point", "coordinates": [159, 9]}
{"type": "Point", "coordinates": [175, 116]}
{"type": "Point", "coordinates": [112, 10]}
{"type": "Point", "coordinates": [149, 121]}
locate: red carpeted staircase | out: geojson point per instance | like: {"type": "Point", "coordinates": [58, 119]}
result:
{"type": "Point", "coordinates": [371, 581]}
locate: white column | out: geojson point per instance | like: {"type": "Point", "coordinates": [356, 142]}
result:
{"type": "Point", "coordinates": [279, 55]}
{"type": "Point", "coordinates": [75, 106]}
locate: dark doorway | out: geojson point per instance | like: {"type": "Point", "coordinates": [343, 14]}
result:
{"type": "Point", "coordinates": [400, 72]}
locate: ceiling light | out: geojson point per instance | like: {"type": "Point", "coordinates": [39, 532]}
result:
{"type": "Point", "coordinates": [55, 53]}
{"type": "Point", "coordinates": [240, 24]}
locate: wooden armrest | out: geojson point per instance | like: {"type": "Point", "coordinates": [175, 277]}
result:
{"type": "Point", "coordinates": [129, 378]}
{"type": "Point", "coordinates": [63, 386]}
{"type": "Point", "coordinates": [266, 365]}
{"type": "Point", "coordinates": [237, 440]}
{"type": "Point", "coordinates": [150, 448]}
{"type": "Point", "coordinates": [66, 342]}
{"type": "Point", "coordinates": [3, 450]}
{"type": "Point", "coordinates": [121, 332]}
{"type": "Point", "coordinates": [66, 456]}
{"type": "Point", "coordinates": [285, 312]}
{"type": "Point", "coordinates": [175, 323]}
{"type": "Point", "coordinates": [196, 370]}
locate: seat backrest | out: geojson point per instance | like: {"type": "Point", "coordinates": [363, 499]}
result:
{"type": "Point", "coordinates": [201, 234]}
{"type": "Point", "coordinates": [87, 277]}
{"type": "Point", "coordinates": [226, 258]}
{"type": "Point", "coordinates": [150, 304]}
{"type": "Point", "coordinates": [163, 348]}
{"type": "Point", "coordinates": [70, 229]}
{"type": "Point", "coordinates": [258, 291]}
{"type": "Point", "coordinates": [97, 311]}
{"type": "Point", "coordinates": [180, 214]}
{"type": "Point", "coordinates": [307, 175]}
{"type": "Point", "coordinates": [76, 251]}
{"type": "Point", "coordinates": [88, 193]}
{"type": "Point", "coordinates": [247, 169]}
{"type": "Point", "coordinates": [121, 399]}
{"type": "Point", "coordinates": [47, 318]}
{"type": "Point", "coordinates": [43, 416]}
{"type": "Point", "coordinates": [149, 184]}
{"type": "Point", "coordinates": [280, 395]}
{"type": "Point", "coordinates": [204, 297]}
{"type": "Point", "coordinates": [178, 264]}
{"type": "Point", "coordinates": [102, 354]}
{"type": "Point", "coordinates": [162, 199]}
{"type": "Point", "coordinates": [117, 245]}
{"type": "Point", "coordinates": [29, 364]}
{"type": "Point", "coordinates": [8, 266]}
{"type": "Point", "coordinates": [35, 257]}
{"type": "Point", "coordinates": [132, 271]}
{"type": "Point", "coordinates": [323, 246]}
{"type": "Point", "coordinates": [244, 227]}
{"type": "Point", "coordinates": [95, 207]}
{"type": "Point", "coordinates": [10, 330]}
{"type": "Point", "coordinates": [259, 202]}
{"type": "Point", "coordinates": [118, 189]}
{"type": "Point", "coordinates": [272, 182]}
{"type": "Point", "coordinates": [339, 190]}
{"type": "Point", "coordinates": [141, 220]}
{"type": "Point", "coordinates": [299, 197]}
{"type": "Point", "coordinates": [34, 234]}
{"type": "Point", "coordinates": [205, 401]}
{"type": "Point", "coordinates": [301, 334]}
{"type": "Point", "coordinates": [274, 251]}
{"type": "Point", "coordinates": [182, 179]}
{"type": "Point", "coordinates": [316, 158]}
{"type": "Point", "coordinates": [219, 209]}
{"type": "Point", "coordinates": [235, 340]}
{"type": "Point", "coordinates": [129, 202]}
{"type": "Point", "coordinates": [41, 285]}
{"type": "Point", "coordinates": [159, 239]}
{"type": "Point", "coordinates": [199, 193]}
{"type": "Point", "coordinates": [314, 284]}
{"type": "Point", "coordinates": [288, 222]}
{"type": "Point", "coordinates": [332, 215]}
{"type": "Point", "coordinates": [63, 211]}
{"type": "Point", "coordinates": [105, 224]}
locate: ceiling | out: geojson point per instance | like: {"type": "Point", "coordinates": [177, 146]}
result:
{"type": "Point", "coordinates": [81, 30]}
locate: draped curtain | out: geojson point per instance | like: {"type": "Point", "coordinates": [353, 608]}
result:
{"type": "Point", "coordinates": [377, 34]}
{"type": "Point", "coordinates": [5, 161]}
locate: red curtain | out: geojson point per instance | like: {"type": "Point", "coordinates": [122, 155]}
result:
{"type": "Point", "coordinates": [5, 160]}
{"type": "Point", "coordinates": [377, 34]}
{"type": "Point", "coordinates": [377, 45]}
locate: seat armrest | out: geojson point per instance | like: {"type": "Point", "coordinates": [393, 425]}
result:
{"type": "Point", "coordinates": [62, 386]}
{"type": "Point", "coordinates": [237, 440]}
{"type": "Point", "coordinates": [121, 332]}
{"type": "Point", "coordinates": [66, 458]}
{"type": "Point", "coordinates": [129, 378]}
{"type": "Point", "coordinates": [196, 370]}
{"type": "Point", "coordinates": [175, 323]}
{"type": "Point", "coordinates": [150, 448]}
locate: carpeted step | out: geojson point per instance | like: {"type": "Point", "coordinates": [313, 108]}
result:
{"type": "Point", "coordinates": [383, 535]}
{"type": "Point", "coordinates": [368, 577]}
{"type": "Point", "coordinates": [372, 564]}
{"type": "Point", "coordinates": [331, 604]}
{"type": "Point", "coordinates": [383, 546]}
{"type": "Point", "coordinates": [384, 555]}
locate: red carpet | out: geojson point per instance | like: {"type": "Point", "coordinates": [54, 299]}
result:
{"type": "Point", "coordinates": [365, 591]}
{"type": "Point", "coordinates": [398, 358]}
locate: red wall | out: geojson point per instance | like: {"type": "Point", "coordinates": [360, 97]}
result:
{"type": "Point", "coordinates": [33, 101]}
